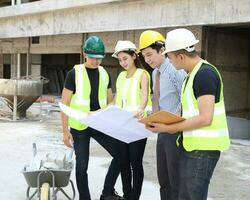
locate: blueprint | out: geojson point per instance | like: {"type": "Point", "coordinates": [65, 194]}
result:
{"type": "Point", "coordinates": [112, 121]}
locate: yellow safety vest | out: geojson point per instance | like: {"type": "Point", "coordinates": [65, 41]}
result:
{"type": "Point", "coordinates": [212, 137]}
{"type": "Point", "coordinates": [128, 96]}
{"type": "Point", "coordinates": [81, 99]}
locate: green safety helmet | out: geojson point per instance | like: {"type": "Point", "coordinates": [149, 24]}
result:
{"type": "Point", "coordinates": [94, 47]}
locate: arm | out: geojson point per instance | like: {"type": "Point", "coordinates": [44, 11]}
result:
{"type": "Point", "coordinates": [205, 117]}
{"type": "Point", "coordinates": [67, 137]}
{"type": "Point", "coordinates": [144, 95]}
{"type": "Point", "coordinates": [180, 75]}
{"type": "Point", "coordinates": [112, 102]}
{"type": "Point", "coordinates": [109, 96]}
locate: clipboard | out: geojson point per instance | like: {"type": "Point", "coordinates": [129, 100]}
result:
{"type": "Point", "coordinates": [163, 117]}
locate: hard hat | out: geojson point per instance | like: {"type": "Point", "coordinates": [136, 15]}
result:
{"type": "Point", "coordinates": [94, 47]}
{"type": "Point", "coordinates": [150, 37]}
{"type": "Point", "coordinates": [178, 39]}
{"type": "Point", "coordinates": [123, 45]}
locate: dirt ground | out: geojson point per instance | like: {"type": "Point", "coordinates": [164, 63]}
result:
{"type": "Point", "coordinates": [231, 179]}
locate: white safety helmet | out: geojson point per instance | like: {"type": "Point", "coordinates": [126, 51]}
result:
{"type": "Point", "coordinates": [178, 39]}
{"type": "Point", "coordinates": [123, 45]}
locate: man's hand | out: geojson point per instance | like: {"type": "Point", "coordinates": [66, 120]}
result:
{"type": "Point", "coordinates": [67, 139]}
{"type": "Point", "coordinates": [158, 128]}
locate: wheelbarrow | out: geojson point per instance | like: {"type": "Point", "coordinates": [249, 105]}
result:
{"type": "Point", "coordinates": [47, 181]}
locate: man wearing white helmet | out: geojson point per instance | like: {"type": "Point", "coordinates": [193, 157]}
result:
{"type": "Point", "coordinates": [167, 83]}
{"type": "Point", "coordinates": [205, 132]}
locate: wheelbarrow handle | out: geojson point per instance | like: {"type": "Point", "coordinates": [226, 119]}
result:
{"type": "Point", "coordinates": [34, 149]}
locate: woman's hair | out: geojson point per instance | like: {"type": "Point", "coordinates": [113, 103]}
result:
{"type": "Point", "coordinates": [137, 61]}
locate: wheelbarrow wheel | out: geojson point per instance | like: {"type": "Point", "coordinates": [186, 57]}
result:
{"type": "Point", "coordinates": [45, 194]}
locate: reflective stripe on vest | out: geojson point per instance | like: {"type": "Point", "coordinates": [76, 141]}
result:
{"type": "Point", "coordinates": [130, 98]}
{"type": "Point", "coordinates": [81, 99]}
{"type": "Point", "coordinates": [212, 137]}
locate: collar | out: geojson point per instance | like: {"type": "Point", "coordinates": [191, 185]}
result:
{"type": "Point", "coordinates": [164, 65]}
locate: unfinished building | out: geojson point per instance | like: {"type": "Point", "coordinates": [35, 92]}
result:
{"type": "Point", "coordinates": [44, 38]}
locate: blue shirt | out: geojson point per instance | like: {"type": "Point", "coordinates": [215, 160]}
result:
{"type": "Point", "coordinates": [171, 81]}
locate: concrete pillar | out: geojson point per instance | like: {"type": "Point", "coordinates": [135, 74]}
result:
{"type": "Point", "coordinates": [1, 65]}
{"type": "Point", "coordinates": [13, 65]}
{"type": "Point", "coordinates": [248, 78]}
{"type": "Point", "coordinates": [12, 2]}
{"type": "Point", "coordinates": [18, 65]}
{"type": "Point", "coordinates": [14, 107]}
{"type": "Point", "coordinates": [208, 44]}
{"type": "Point", "coordinates": [84, 38]}
{"type": "Point", "coordinates": [27, 64]}
{"type": "Point", "coordinates": [18, 2]}
{"type": "Point", "coordinates": [28, 59]}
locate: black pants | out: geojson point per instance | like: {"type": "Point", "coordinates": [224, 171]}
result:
{"type": "Point", "coordinates": [81, 146]}
{"type": "Point", "coordinates": [167, 165]}
{"type": "Point", "coordinates": [134, 152]}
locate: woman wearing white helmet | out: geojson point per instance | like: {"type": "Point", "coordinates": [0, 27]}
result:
{"type": "Point", "coordinates": [132, 94]}
{"type": "Point", "coordinates": [133, 84]}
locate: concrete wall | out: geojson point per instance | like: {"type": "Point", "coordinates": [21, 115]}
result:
{"type": "Point", "coordinates": [55, 17]}
{"type": "Point", "coordinates": [229, 51]}
{"type": "Point", "coordinates": [58, 44]}
{"type": "Point", "coordinates": [11, 46]}
{"type": "Point", "coordinates": [232, 57]}
{"type": "Point", "coordinates": [72, 43]}
{"type": "Point", "coordinates": [239, 128]}
{"type": "Point", "coordinates": [7, 59]}
{"type": "Point", "coordinates": [48, 44]}
{"type": "Point", "coordinates": [35, 65]}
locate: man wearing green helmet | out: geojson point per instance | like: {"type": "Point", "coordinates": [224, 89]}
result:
{"type": "Point", "coordinates": [88, 88]}
{"type": "Point", "coordinates": [94, 48]}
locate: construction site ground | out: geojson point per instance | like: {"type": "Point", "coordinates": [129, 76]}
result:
{"type": "Point", "coordinates": [231, 180]}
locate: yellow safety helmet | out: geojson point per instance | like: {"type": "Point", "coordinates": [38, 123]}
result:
{"type": "Point", "coordinates": [150, 37]}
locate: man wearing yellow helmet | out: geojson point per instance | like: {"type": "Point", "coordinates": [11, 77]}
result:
{"type": "Point", "coordinates": [204, 132]}
{"type": "Point", "coordinates": [167, 83]}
